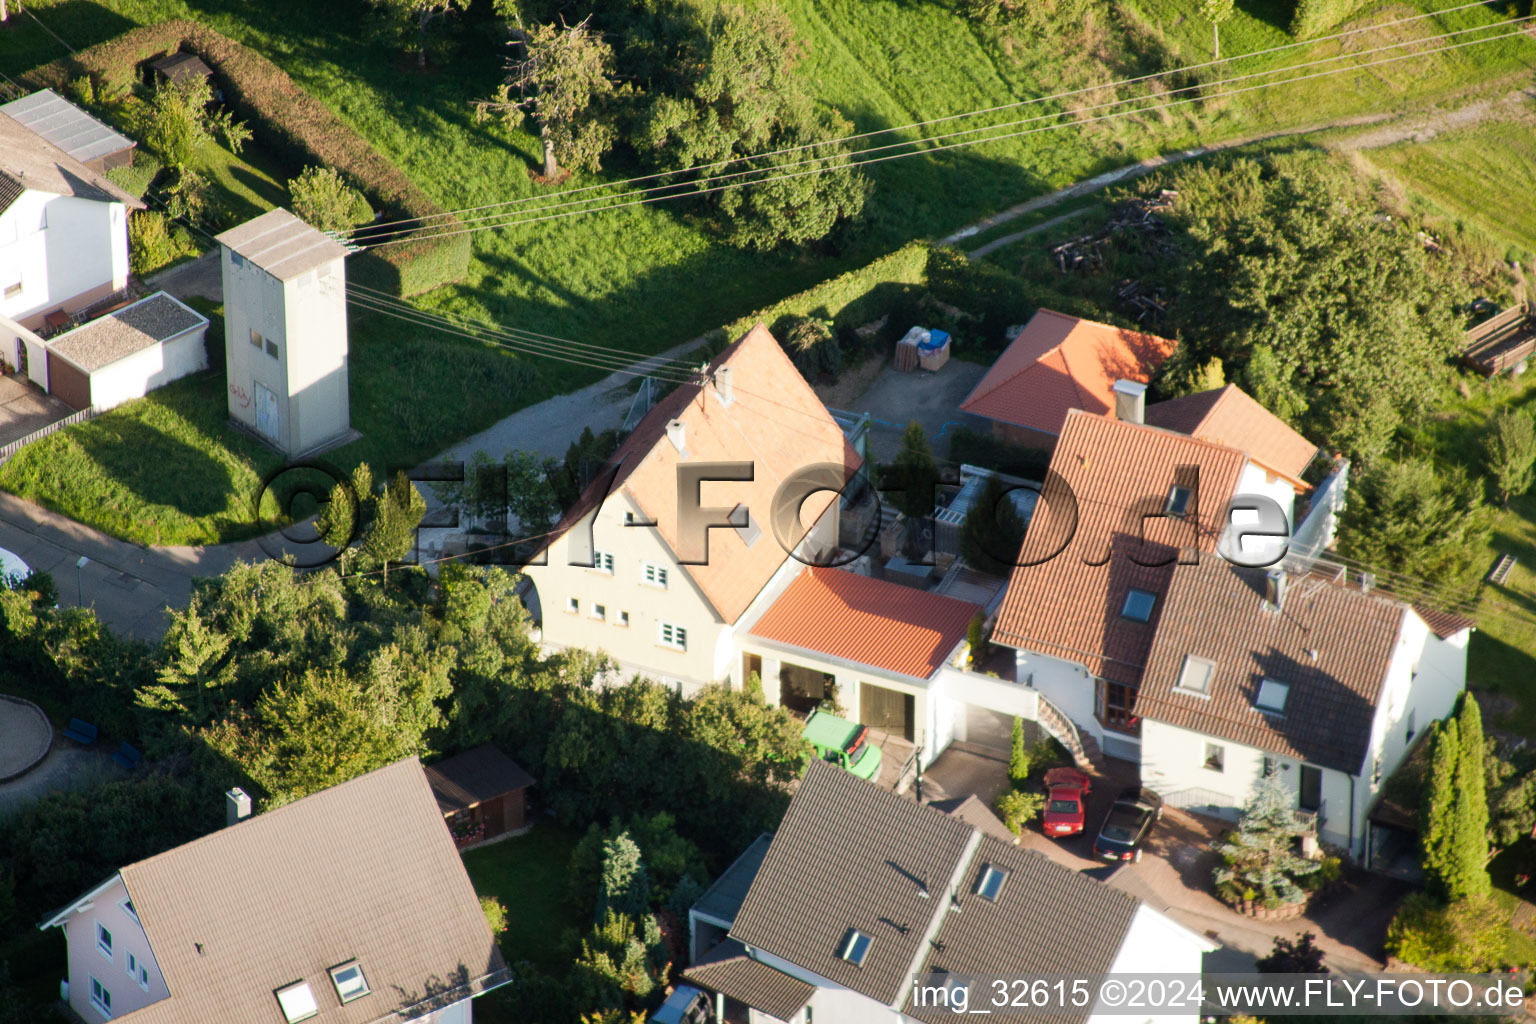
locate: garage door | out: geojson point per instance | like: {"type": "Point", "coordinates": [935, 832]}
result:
{"type": "Point", "coordinates": [70, 384]}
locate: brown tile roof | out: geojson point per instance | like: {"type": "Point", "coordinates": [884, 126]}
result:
{"type": "Point", "coordinates": [728, 969]}
{"type": "Point", "coordinates": [282, 245]}
{"type": "Point", "coordinates": [775, 421]}
{"type": "Point", "coordinates": [31, 161]}
{"type": "Point", "coordinates": [852, 855]}
{"type": "Point", "coordinates": [1229, 416]}
{"type": "Point", "coordinates": [121, 333]}
{"type": "Point", "coordinates": [364, 870]}
{"type": "Point", "coordinates": [868, 621]}
{"type": "Point", "coordinates": [475, 776]}
{"type": "Point", "coordinates": [1068, 606]}
{"type": "Point", "coordinates": [1059, 363]}
{"type": "Point", "coordinates": [1048, 919]}
{"type": "Point", "coordinates": [1445, 624]}
{"type": "Point", "coordinates": [1216, 610]}
{"type": "Point", "coordinates": [975, 813]}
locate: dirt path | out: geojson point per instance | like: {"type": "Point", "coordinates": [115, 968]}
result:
{"type": "Point", "coordinates": [1390, 128]}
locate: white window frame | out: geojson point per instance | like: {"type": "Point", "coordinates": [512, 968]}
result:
{"type": "Point", "coordinates": [127, 904]}
{"type": "Point", "coordinates": [15, 288]}
{"type": "Point", "coordinates": [623, 619]}
{"type": "Point", "coordinates": [101, 998]}
{"type": "Point", "coordinates": [573, 606]}
{"type": "Point", "coordinates": [1216, 752]}
{"type": "Point", "coordinates": [653, 575]}
{"type": "Point", "coordinates": [294, 989]}
{"type": "Point", "coordinates": [672, 636]}
{"type": "Point", "coordinates": [138, 972]}
{"type": "Point", "coordinates": [350, 965]}
{"type": "Point", "coordinates": [599, 612]}
{"type": "Point", "coordinates": [602, 561]}
{"type": "Point", "coordinates": [104, 948]}
{"type": "Point", "coordinates": [1191, 660]}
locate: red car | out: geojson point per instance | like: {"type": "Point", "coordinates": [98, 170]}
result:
{"type": "Point", "coordinates": [1065, 789]}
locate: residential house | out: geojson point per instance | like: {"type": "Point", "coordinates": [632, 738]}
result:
{"type": "Point", "coordinates": [622, 575]}
{"type": "Point", "coordinates": [1125, 502]}
{"type": "Point", "coordinates": [482, 793]}
{"type": "Point", "coordinates": [1058, 363]}
{"type": "Point", "coordinates": [1290, 671]}
{"type": "Point", "coordinates": [861, 894]}
{"type": "Point", "coordinates": [63, 236]}
{"type": "Point", "coordinates": [348, 906]}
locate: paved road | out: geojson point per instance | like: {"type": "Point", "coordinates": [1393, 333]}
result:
{"type": "Point", "coordinates": [129, 586]}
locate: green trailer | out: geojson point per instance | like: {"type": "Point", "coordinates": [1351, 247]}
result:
{"type": "Point", "coordinates": [843, 743]}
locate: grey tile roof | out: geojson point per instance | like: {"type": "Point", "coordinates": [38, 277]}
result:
{"type": "Point", "coordinates": [365, 870]}
{"type": "Point", "coordinates": [282, 245]}
{"type": "Point", "coordinates": [722, 901]}
{"type": "Point", "coordinates": [1332, 644]}
{"type": "Point", "coordinates": [66, 126]}
{"type": "Point", "coordinates": [121, 333]}
{"type": "Point", "coordinates": [973, 810]}
{"type": "Point", "coordinates": [475, 776]}
{"type": "Point", "coordinates": [33, 162]}
{"type": "Point", "coordinates": [728, 969]}
{"type": "Point", "coordinates": [851, 855]}
{"type": "Point", "coordinates": [1048, 919]}
{"type": "Point", "coordinates": [10, 191]}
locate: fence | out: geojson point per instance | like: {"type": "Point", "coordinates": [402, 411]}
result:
{"type": "Point", "coordinates": [11, 449]}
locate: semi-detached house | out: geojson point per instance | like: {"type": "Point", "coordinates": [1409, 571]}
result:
{"type": "Point", "coordinates": [620, 575]}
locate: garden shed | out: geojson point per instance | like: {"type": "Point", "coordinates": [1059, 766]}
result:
{"type": "Point", "coordinates": [127, 353]}
{"type": "Point", "coordinates": [481, 792]}
{"type": "Point", "coordinates": [180, 67]}
{"type": "Point", "coordinates": [77, 133]}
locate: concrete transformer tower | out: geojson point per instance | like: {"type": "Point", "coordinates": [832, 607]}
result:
{"type": "Point", "coordinates": [285, 333]}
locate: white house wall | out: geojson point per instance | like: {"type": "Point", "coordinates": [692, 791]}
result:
{"type": "Point", "coordinates": [316, 358]}
{"type": "Point", "coordinates": [1173, 764]}
{"type": "Point", "coordinates": [1256, 480]}
{"type": "Point", "coordinates": [1066, 684]}
{"type": "Point", "coordinates": [14, 339]}
{"type": "Point", "coordinates": [87, 962]}
{"type": "Point", "coordinates": [141, 372]}
{"type": "Point", "coordinates": [833, 1002]}
{"type": "Point", "coordinates": [1156, 944]}
{"type": "Point", "coordinates": [79, 257]}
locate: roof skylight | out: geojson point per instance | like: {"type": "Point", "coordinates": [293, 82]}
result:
{"type": "Point", "coordinates": [297, 1002]}
{"type": "Point", "coordinates": [349, 981]}
{"type": "Point", "coordinates": [855, 945]}
{"type": "Point", "coordinates": [991, 882]}
{"type": "Point", "coordinates": [1138, 605]}
{"type": "Point", "coordinates": [1272, 696]}
{"type": "Point", "coordinates": [1195, 676]}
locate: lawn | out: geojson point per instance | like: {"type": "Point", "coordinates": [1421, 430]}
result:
{"type": "Point", "coordinates": [1483, 176]}
{"type": "Point", "coordinates": [528, 875]}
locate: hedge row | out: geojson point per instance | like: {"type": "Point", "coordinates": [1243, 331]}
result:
{"type": "Point", "coordinates": [854, 298]}
{"type": "Point", "coordinates": [1313, 17]}
{"type": "Point", "coordinates": [298, 128]}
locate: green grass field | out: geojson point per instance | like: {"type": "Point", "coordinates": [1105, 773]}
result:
{"type": "Point", "coordinates": [528, 874]}
{"type": "Point", "coordinates": [1483, 177]}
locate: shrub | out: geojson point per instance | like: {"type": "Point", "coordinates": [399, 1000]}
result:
{"type": "Point", "coordinates": [495, 914]}
{"type": "Point", "coordinates": [136, 177]}
{"type": "Point", "coordinates": [812, 344]}
{"type": "Point", "coordinates": [299, 129]}
{"type": "Point", "coordinates": [322, 198]}
{"type": "Point", "coordinates": [1018, 808]}
{"type": "Point", "coordinates": [1467, 935]}
{"type": "Point", "coordinates": [1312, 17]}
{"type": "Point", "coordinates": [151, 244]}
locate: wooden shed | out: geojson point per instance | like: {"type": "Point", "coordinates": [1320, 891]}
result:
{"type": "Point", "coordinates": [1502, 343]}
{"type": "Point", "coordinates": [481, 792]}
{"type": "Point", "coordinates": [181, 66]}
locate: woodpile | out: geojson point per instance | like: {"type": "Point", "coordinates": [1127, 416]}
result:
{"type": "Point", "coordinates": [1138, 218]}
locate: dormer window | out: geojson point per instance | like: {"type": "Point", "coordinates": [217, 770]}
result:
{"type": "Point", "coordinates": [1195, 676]}
{"type": "Point", "coordinates": [349, 981]}
{"type": "Point", "coordinates": [855, 946]}
{"type": "Point", "coordinates": [297, 1002]}
{"type": "Point", "coordinates": [1272, 696]}
{"type": "Point", "coordinates": [1178, 500]}
{"type": "Point", "coordinates": [1138, 605]}
{"type": "Point", "coordinates": [991, 882]}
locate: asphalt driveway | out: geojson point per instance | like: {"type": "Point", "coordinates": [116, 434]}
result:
{"type": "Point", "coordinates": [931, 397]}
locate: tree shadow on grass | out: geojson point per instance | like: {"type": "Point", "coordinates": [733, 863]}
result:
{"type": "Point", "coordinates": [158, 468]}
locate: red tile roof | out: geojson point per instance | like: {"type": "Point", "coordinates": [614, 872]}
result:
{"type": "Point", "coordinates": [1108, 475]}
{"type": "Point", "coordinates": [868, 621]}
{"type": "Point", "coordinates": [1331, 644]}
{"type": "Point", "coordinates": [1229, 416]}
{"type": "Point", "coordinates": [774, 421]}
{"type": "Point", "coordinates": [1059, 363]}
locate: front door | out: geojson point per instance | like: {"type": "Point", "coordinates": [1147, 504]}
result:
{"type": "Point", "coordinates": [21, 358]}
{"type": "Point", "coordinates": [266, 413]}
{"type": "Point", "coordinates": [1310, 797]}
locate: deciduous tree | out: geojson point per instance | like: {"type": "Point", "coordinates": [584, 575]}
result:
{"type": "Point", "coordinates": [419, 14]}
{"type": "Point", "coordinates": [323, 199]}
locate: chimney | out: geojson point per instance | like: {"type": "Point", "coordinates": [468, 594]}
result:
{"type": "Point", "coordinates": [676, 434]}
{"type": "Point", "coordinates": [723, 385]}
{"type": "Point", "coordinates": [1367, 582]}
{"type": "Point", "coordinates": [1130, 401]}
{"type": "Point", "coordinates": [1274, 589]}
{"type": "Point", "coordinates": [237, 805]}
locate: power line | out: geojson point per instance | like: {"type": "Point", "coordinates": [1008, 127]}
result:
{"type": "Point", "coordinates": [1077, 123]}
{"type": "Point", "coordinates": [1185, 69]}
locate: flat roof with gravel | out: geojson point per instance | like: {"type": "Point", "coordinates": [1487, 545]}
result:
{"type": "Point", "coordinates": [117, 335]}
